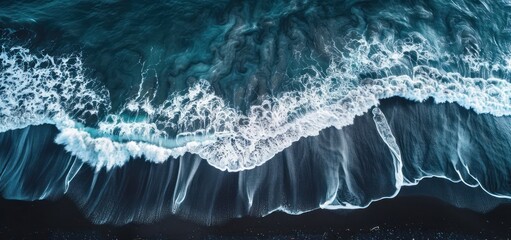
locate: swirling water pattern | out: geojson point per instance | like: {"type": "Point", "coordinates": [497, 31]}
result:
{"type": "Point", "coordinates": [235, 102]}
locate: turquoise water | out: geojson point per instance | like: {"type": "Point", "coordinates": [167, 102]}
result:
{"type": "Point", "coordinates": [212, 110]}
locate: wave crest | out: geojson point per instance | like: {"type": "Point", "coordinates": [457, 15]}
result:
{"type": "Point", "coordinates": [197, 121]}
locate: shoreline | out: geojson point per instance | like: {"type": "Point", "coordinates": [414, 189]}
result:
{"type": "Point", "coordinates": [401, 217]}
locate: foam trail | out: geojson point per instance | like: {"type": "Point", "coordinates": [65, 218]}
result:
{"type": "Point", "coordinates": [280, 93]}
{"type": "Point", "coordinates": [386, 134]}
{"type": "Point", "coordinates": [105, 152]}
{"type": "Point", "coordinates": [200, 122]}
{"type": "Point", "coordinates": [244, 141]}
{"type": "Point", "coordinates": [75, 168]}
{"type": "Point", "coordinates": [43, 89]}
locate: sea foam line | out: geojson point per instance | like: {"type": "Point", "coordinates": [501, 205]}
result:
{"type": "Point", "coordinates": [225, 137]}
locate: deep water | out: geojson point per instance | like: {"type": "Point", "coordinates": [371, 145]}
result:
{"type": "Point", "coordinates": [214, 110]}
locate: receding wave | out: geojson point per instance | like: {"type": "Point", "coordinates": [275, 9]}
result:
{"type": "Point", "coordinates": [360, 113]}
{"type": "Point", "coordinates": [198, 121]}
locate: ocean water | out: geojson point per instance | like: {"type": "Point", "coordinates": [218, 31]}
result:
{"type": "Point", "coordinates": [214, 110]}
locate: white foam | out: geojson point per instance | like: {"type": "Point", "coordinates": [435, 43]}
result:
{"type": "Point", "coordinates": [104, 152]}
{"type": "Point", "coordinates": [200, 122]}
{"type": "Point", "coordinates": [383, 128]}
{"type": "Point", "coordinates": [38, 89]}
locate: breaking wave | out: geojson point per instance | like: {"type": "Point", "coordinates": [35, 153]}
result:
{"type": "Point", "coordinates": [342, 79]}
{"type": "Point", "coordinates": [45, 89]}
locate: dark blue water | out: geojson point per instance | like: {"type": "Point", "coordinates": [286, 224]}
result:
{"type": "Point", "coordinates": [214, 110]}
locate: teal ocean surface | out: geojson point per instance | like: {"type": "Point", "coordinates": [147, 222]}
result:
{"type": "Point", "coordinates": [217, 110]}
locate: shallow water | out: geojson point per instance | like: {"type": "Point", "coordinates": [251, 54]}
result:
{"type": "Point", "coordinates": [213, 110]}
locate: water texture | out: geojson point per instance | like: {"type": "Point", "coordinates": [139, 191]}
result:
{"type": "Point", "coordinates": [219, 109]}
